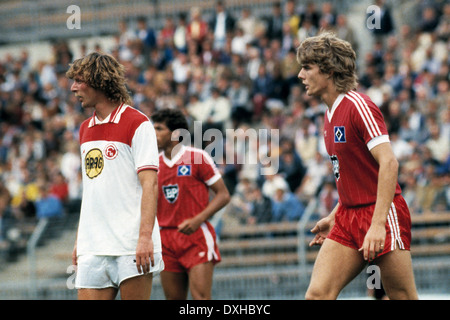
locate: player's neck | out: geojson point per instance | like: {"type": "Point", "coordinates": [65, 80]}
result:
{"type": "Point", "coordinates": [329, 97]}
{"type": "Point", "coordinates": [172, 150]}
{"type": "Point", "coordinates": [104, 107]}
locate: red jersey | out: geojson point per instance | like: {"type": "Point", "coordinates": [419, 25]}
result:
{"type": "Point", "coordinates": [352, 128]}
{"type": "Point", "coordinates": [183, 185]}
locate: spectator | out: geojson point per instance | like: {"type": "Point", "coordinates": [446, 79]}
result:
{"type": "Point", "coordinates": [145, 34]}
{"type": "Point", "coordinates": [286, 206]}
{"type": "Point", "coordinates": [261, 208]}
{"type": "Point", "coordinates": [306, 30]}
{"type": "Point", "coordinates": [48, 205]}
{"type": "Point", "coordinates": [310, 13]}
{"type": "Point", "coordinates": [180, 34]}
{"type": "Point", "coordinates": [274, 22]}
{"type": "Point", "coordinates": [291, 165]}
{"type": "Point", "coordinates": [197, 29]}
{"type": "Point", "coordinates": [328, 197]}
{"type": "Point", "coordinates": [272, 182]}
{"type": "Point", "coordinates": [317, 170]}
{"type": "Point", "coordinates": [306, 142]}
{"type": "Point", "coordinates": [239, 96]}
{"type": "Point", "coordinates": [438, 144]}
{"type": "Point", "coordinates": [386, 22]}
{"type": "Point", "coordinates": [429, 20]}
{"type": "Point", "coordinates": [291, 16]}
{"type": "Point", "coordinates": [166, 34]}
{"type": "Point", "coordinates": [59, 188]}
{"type": "Point", "coordinates": [221, 24]}
{"type": "Point", "coordinates": [216, 111]}
{"type": "Point", "coordinates": [248, 23]}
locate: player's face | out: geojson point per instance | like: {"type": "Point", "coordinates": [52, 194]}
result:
{"type": "Point", "coordinates": [84, 93]}
{"type": "Point", "coordinates": [315, 82]}
{"type": "Point", "coordinates": [163, 135]}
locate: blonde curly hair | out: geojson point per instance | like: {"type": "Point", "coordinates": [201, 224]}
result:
{"type": "Point", "coordinates": [333, 56]}
{"type": "Point", "coordinates": [101, 72]}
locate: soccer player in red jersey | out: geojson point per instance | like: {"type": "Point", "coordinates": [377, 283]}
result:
{"type": "Point", "coordinates": [371, 221]}
{"type": "Point", "coordinates": [185, 177]}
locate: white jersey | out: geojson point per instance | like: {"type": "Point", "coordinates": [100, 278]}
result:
{"type": "Point", "coordinates": [113, 152]}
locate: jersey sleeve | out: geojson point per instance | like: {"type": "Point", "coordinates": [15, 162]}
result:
{"type": "Point", "coordinates": [144, 148]}
{"type": "Point", "coordinates": [208, 171]}
{"type": "Point", "coordinates": [369, 121]}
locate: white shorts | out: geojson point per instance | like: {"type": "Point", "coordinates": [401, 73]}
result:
{"type": "Point", "coordinates": [97, 272]}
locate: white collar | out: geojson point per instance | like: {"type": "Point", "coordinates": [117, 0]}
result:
{"type": "Point", "coordinates": [113, 117]}
{"type": "Point", "coordinates": [336, 103]}
{"type": "Point", "coordinates": [171, 162]}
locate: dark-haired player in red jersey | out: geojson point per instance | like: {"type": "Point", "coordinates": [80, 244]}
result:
{"type": "Point", "coordinates": [185, 178]}
{"type": "Point", "coordinates": [371, 220]}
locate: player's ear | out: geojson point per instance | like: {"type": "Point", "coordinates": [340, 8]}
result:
{"type": "Point", "coordinates": [176, 135]}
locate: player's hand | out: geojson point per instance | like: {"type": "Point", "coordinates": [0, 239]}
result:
{"type": "Point", "coordinates": [321, 229]}
{"type": "Point", "coordinates": [189, 226]}
{"type": "Point", "coordinates": [374, 241]}
{"type": "Point", "coordinates": [144, 254]}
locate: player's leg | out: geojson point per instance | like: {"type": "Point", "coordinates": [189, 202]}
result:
{"type": "Point", "coordinates": [175, 285]}
{"type": "Point", "coordinates": [397, 275]}
{"type": "Point", "coordinates": [92, 280]}
{"type": "Point", "coordinates": [200, 280]}
{"type": "Point", "coordinates": [336, 265]}
{"type": "Point", "coordinates": [97, 294]}
{"type": "Point", "coordinates": [137, 288]}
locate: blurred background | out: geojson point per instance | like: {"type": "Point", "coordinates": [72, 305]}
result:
{"type": "Point", "coordinates": [237, 57]}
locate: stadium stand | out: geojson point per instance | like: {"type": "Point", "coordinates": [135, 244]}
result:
{"type": "Point", "coordinates": [405, 69]}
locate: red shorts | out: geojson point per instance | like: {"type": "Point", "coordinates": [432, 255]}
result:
{"type": "Point", "coordinates": [352, 224]}
{"type": "Point", "coordinates": [181, 252]}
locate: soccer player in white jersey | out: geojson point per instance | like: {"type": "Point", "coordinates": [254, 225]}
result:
{"type": "Point", "coordinates": [185, 177]}
{"type": "Point", "coordinates": [371, 220]}
{"type": "Point", "coordinates": [118, 243]}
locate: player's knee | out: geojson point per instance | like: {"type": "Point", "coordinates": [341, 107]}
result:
{"type": "Point", "coordinates": [200, 293]}
{"type": "Point", "coordinates": [319, 294]}
{"type": "Point", "coordinates": [401, 294]}
{"type": "Point", "coordinates": [201, 296]}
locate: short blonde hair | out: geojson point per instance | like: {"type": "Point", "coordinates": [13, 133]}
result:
{"type": "Point", "coordinates": [333, 56]}
{"type": "Point", "coordinates": [102, 72]}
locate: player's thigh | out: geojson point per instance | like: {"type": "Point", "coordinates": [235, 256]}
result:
{"type": "Point", "coordinates": [397, 275]}
{"type": "Point", "coordinates": [175, 285]}
{"type": "Point", "coordinates": [200, 280]}
{"type": "Point", "coordinates": [97, 294]}
{"type": "Point", "coordinates": [137, 288]}
{"type": "Point", "coordinates": [335, 266]}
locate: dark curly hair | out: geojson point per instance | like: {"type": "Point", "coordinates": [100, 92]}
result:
{"type": "Point", "coordinates": [173, 118]}
{"type": "Point", "coordinates": [102, 72]}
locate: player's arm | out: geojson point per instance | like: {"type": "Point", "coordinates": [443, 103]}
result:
{"type": "Point", "coordinates": [220, 199]}
{"type": "Point", "coordinates": [144, 249]}
{"type": "Point", "coordinates": [387, 182]}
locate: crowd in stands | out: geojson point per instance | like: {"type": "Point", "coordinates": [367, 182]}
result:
{"type": "Point", "coordinates": [236, 71]}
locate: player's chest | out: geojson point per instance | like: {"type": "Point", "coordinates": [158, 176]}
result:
{"type": "Point", "coordinates": [179, 173]}
{"type": "Point", "coordinates": [340, 135]}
